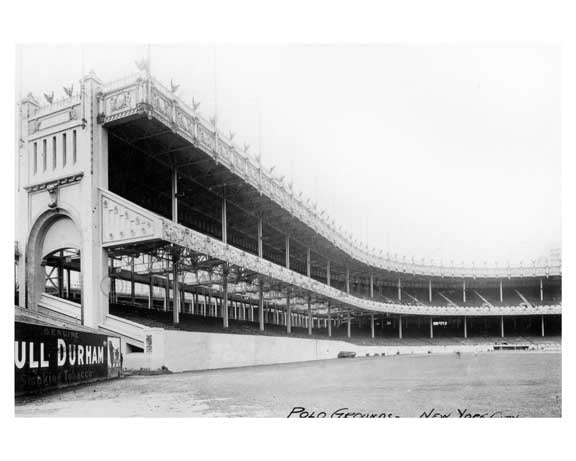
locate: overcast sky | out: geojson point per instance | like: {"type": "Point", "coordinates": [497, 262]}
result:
{"type": "Point", "coordinates": [444, 152]}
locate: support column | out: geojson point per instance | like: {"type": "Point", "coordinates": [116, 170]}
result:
{"type": "Point", "coordinates": [501, 293]}
{"type": "Point", "coordinates": [68, 290]}
{"type": "Point", "coordinates": [431, 328]}
{"type": "Point", "coordinates": [541, 291]}
{"type": "Point", "coordinates": [151, 288]}
{"type": "Point", "coordinates": [502, 326]}
{"type": "Point", "coordinates": [288, 313]}
{"type": "Point", "coordinates": [174, 194]}
{"type": "Point", "coordinates": [372, 326]}
{"type": "Point", "coordinates": [310, 320]}
{"type": "Point", "coordinates": [260, 238]}
{"type": "Point", "coordinates": [224, 222]}
{"type": "Point", "coordinates": [349, 331]}
{"type": "Point", "coordinates": [287, 252]}
{"type": "Point", "coordinates": [400, 326]}
{"type": "Point", "coordinates": [225, 296]}
{"type": "Point", "coordinates": [430, 290]}
{"type": "Point", "coordinates": [308, 263]}
{"type": "Point", "coordinates": [347, 280]}
{"type": "Point", "coordinates": [132, 283]}
{"type": "Point", "coordinates": [210, 304]}
{"type": "Point", "coordinates": [329, 321]}
{"type": "Point", "coordinates": [399, 290]}
{"type": "Point", "coordinates": [261, 304]}
{"type": "Point", "coordinates": [371, 284]}
{"type": "Point", "coordinates": [112, 282]}
{"type": "Point", "coordinates": [328, 273]}
{"type": "Point", "coordinates": [61, 275]}
{"type": "Point", "coordinates": [464, 291]}
{"type": "Point", "coordinates": [175, 290]}
{"type": "Point", "coordinates": [167, 294]}
{"type": "Point", "coordinates": [542, 324]}
{"type": "Point", "coordinates": [465, 328]}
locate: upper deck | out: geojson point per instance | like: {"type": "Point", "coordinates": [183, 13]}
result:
{"type": "Point", "coordinates": [141, 95]}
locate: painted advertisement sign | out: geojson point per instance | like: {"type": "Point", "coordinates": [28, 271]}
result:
{"type": "Point", "coordinates": [47, 357]}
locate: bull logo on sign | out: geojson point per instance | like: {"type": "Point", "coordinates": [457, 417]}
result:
{"type": "Point", "coordinates": [114, 357]}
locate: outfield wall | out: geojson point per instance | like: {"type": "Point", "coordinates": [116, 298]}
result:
{"type": "Point", "coordinates": [188, 351]}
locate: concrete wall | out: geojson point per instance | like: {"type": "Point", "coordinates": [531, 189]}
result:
{"type": "Point", "coordinates": [187, 351]}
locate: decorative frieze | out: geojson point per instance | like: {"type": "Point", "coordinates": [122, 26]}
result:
{"type": "Point", "coordinates": [55, 183]}
{"type": "Point", "coordinates": [195, 241]}
{"type": "Point", "coordinates": [124, 222]}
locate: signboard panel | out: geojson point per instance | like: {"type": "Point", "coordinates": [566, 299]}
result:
{"type": "Point", "coordinates": [47, 357]}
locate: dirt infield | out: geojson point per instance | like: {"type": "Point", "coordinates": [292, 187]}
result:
{"type": "Point", "coordinates": [500, 384]}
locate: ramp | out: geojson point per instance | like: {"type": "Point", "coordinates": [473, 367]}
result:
{"type": "Point", "coordinates": [61, 309]}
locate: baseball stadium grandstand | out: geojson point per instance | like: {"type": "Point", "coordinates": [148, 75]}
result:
{"type": "Point", "coordinates": [138, 217]}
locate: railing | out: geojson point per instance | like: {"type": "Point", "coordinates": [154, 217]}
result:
{"type": "Point", "coordinates": [140, 94]}
{"type": "Point", "coordinates": [168, 231]}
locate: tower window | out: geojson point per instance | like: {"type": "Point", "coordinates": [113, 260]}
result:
{"type": "Point", "coordinates": [74, 147]}
{"type": "Point", "coordinates": [63, 149]}
{"type": "Point", "coordinates": [54, 152]}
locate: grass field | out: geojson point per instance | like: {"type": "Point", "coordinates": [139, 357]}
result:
{"type": "Point", "coordinates": [522, 384]}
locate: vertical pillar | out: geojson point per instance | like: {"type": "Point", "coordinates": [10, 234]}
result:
{"type": "Point", "coordinates": [61, 275]}
{"type": "Point", "coordinates": [310, 321]}
{"type": "Point", "coordinates": [112, 282]}
{"type": "Point", "coordinates": [68, 294]}
{"type": "Point", "coordinates": [347, 280]}
{"type": "Point", "coordinates": [151, 288]}
{"type": "Point", "coordinates": [260, 237]}
{"type": "Point", "coordinates": [167, 293]}
{"type": "Point", "coordinates": [399, 290]}
{"type": "Point", "coordinates": [431, 328]}
{"type": "Point", "coordinates": [465, 328]}
{"type": "Point", "coordinates": [210, 303]}
{"type": "Point", "coordinates": [541, 291]}
{"type": "Point", "coordinates": [400, 326]}
{"type": "Point", "coordinates": [501, 293]}
{"type": "Point", "coordinates": [464, 291]}
{"type": "Point", "coordinates": [502, 326]}
{"type": "Point", "coordinates": [542, 325]}
{"type": "Point", "coordinates": [174, 194]}
{"type": "Point", "coordinates": [371, 284]}
{"type": "Point", "coordinates": [287, 252]}
{"type": "Point", "coordinates": [182, 294]}
{"type": "Point", "coordinates": [225, 296]}
{"type": "Point", "coordinates": [372, 326]}
{"type": "Point", "coordinates": [349, 329]}
{"type": "Point", "coordinates": [261, 303]}
{"type": "Point", "coordinates": [288, 313]}
{"type": "Point", "coordinates": [328, 273]}
{"type": "Point", "coordinates": [175, 290]}
{"type": "Point", "coordinates": [329, 321]}
{"type": "Point", "coordinates": [308, 263]}
{"type": "Point", "coordinates": [430, 290]}
{"type": "Point", "coordinates": [132, 283]}
{"type": "Point", "coordinates": [224, 222]}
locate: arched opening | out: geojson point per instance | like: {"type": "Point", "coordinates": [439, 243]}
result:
{"type": "Point", "coordinates": [62, 274]}
{"type": "Point", "coordinates": [53, 258]}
